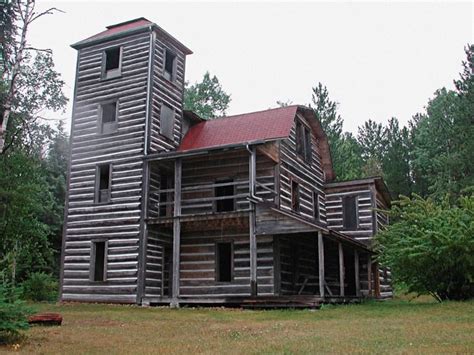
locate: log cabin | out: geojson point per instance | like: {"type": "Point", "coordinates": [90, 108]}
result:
{"type": "Point", "coordinates": [164, 207]}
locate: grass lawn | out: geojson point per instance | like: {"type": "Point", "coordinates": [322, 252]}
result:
{"type": "Point", "coordinates": [396, 326]}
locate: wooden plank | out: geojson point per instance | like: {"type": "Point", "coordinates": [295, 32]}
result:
{"type": "Point", "coordinates": [369, 275]}
{"type": "Point", "coordinates": [276, 265]}
{"type": "Point", "coordinates": [321, 264]}
{"type": "Point", "coordinates": [176, 233]}
{"type": "Point", "coordinates": [341, 270]}
{"type": "Point", "coordinates": [356, 272]}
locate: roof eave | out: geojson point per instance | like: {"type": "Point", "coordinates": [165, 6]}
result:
{"type": "Point", "coordinates": [92, 41]}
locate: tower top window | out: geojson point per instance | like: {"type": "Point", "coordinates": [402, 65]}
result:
{"type": "Point", "coordinates": [170, 65]}
{"type": "Point", "coordinates": [112, 63]}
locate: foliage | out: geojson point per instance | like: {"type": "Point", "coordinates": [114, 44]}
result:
{"type": "Point", "coordinates": [430, 247]}
{"type": "Point", "coordinates": [326, 112]}
{"type": "Point", "coordinates": [207, 98]}
{"type": "Point", "coordinates": [40, 287]}
{"type": "Point", "coordinates": [25, 200]}
{"type": "Point", "coordinates": [13, 314]}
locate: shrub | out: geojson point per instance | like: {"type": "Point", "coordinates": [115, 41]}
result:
{"type": "Point", "coordinates": [40, 287]}
{"type": "Point", "coordinates": [430, 247]}
{"type": "Point", "coordinates": [13, 315]}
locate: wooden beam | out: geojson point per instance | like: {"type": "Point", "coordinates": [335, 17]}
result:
{"type": "Point", "coordinates": [252, 218]}
{"type": "Point", "coordinates": [276, 266]}
{"type": "Point", "coordinates": [322, 281]}
{"type": "Point", "coordinates": [176, 233]}
{"type": "Point", "coordinates": [341, 270]}
{"type": "Point", "coordinates": [356, 272]}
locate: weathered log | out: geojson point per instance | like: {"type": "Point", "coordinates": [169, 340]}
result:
{"type": "Point", "coordinates": [46, 319]}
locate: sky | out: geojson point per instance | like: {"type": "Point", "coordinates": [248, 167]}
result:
{"type": "Point", "coordinates": [378, 59]}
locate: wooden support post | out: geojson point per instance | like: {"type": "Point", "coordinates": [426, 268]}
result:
{"type": "Point", "coordinates": [369, 275]}
{"type": "Point", "coordinates": [322, 281]}
{"type": "Point", "coordinates": [176, 233]}
{"type": "Point", "coordinates": [253, 238]}
{"type": "Point", "coordinates": [356, 272]}
{"type": "Point", "coordinates": [276, 266]}
{"type": "Point", "coordinates": [341, 270]}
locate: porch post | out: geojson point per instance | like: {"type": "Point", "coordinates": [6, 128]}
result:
{"type": "Point", "coordinates": [252, 236]}
{"type": "Point", "coordinates": [176, 233]}
{"type": "Point", "coordinates": [356, 272]}
{"type": "Point", "coordinates": [322, 281]}
{"type": "Point", "coordinates": [341, 270]}
{"type": "Point", "coordinates": [369, 275]}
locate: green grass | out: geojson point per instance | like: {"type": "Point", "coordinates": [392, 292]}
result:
{"type": "Point", "coordinates": [396, 326]}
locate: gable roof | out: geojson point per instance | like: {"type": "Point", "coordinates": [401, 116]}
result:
{"type": "Point", "coordinates": [126, 28]}
{"type": "Point", "coordinates": [246, 128]}
{"type": "Point", "coordinates": [252, 128]}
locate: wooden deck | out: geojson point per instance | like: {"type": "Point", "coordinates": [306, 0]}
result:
{"type": "Point", "coordinates": [261, 302]}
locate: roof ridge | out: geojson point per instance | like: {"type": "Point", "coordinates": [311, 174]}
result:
{"type": "Point", "coordinates": [253, 112]}
{"type": "Point", "coordinates": [127, 22]}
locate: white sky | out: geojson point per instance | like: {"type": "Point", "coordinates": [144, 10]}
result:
{"type": "Point", "coordinates": [378, 59]}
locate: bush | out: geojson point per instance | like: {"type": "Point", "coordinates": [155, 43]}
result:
{"type": "Point", "coordinates": [430, 247]}
{"type": "Point", "coordinates": [13, 315]}
{"type": "Point", "coordinates": [40, 287]}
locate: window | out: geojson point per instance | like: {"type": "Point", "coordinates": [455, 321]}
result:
{"type": "Point", "coordinates": [295, 196]}
{"type": "Point", "coordinates": [316, 205]}
{"type": "Point", "coordinates": [108, 117]}
{"type": "Point", "coordinates": [170, 59]}
{"type": "Point", "coordinates": [166, 121]}
{"type": "Point", "coordinates": [224, 188]}
{"type": "Point", "coordinates": [349, 212]}
{"type": "Point", "coordinates": [224, 262]}
{"type": "Point", "coordinates": [102, 193]}
{"type": "Point", "coordinates": [112, 67]}
{"type": "Point", "coordinates": [303, 142]}
{"type": "Point", "coordinates": [98, 264]}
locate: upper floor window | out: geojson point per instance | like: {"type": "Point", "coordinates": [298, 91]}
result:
{"type": "Point", "coordinates": [112, 63]}
{"type": "Point", "coordinates": [316, 212]}
{"type": "Point", "coordinates": [350, 212]}
{"type": "Point", "coordinates": [224, 193]}
{"type": "Point", "coordinates": [108, 117]}
{"type": "Point", "coordinates": [295, 196]}
{"type": "Point", "coordinates": [303, 142]}
{"type": "Point", "coordinates": [167, 121]}
{"type": "Point", "coordinates": [102, 186]}
{"type": "Point", "coordinates": [170, 65]}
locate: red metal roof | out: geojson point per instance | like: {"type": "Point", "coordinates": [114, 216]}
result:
{"type": "Point", "coordinates": [239, 129]}
{"type": "Point", "coordinates": [121, 27]}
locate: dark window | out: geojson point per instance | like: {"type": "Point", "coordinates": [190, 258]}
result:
{"type": "Point", "coordinates": [349, 212]}
{"type": "Point", "coordinates": [99, 256]}
{"type": "Point", "coordinates": [307, 145]}
{"type": "Point", "coordinates": [225, 204]}
{"type": "Point", "coordinates": [112, 62]}
{"type": "Point", "coordinates": [108, 119]}
{"type": "Point", "coordinates": [315, 205]}
{"type": "Point", "coordinates": [295, 196]}
{"type": "Point", "coordinates": [103, 183]}
{"type": "Point", "coordinates": [299, 138]}
{"type": "Point", "coordinates": [224, 262]}
{"type": "Point", "coordinates": [303, 142]}
{"type": "Point", "coordinates": [169, 71]}
{"type": "Point", "coordinates": [167, 121]}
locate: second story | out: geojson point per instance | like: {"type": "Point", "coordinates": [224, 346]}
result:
{"type": "Point", "coordinates": [292, 164]}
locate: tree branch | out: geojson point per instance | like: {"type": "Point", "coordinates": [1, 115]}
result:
{"type": "Point", "coordinates": [50, 11]}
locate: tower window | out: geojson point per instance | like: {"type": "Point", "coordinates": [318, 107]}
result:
{"type": "Point", "coordinates": [112, 66]}
{"type": "Point", "coordinates": [295, 196]}
{"type": "Point", "coordinates": [98, 264]}
{"type": "Point", "coordinates": [103, 184]}
{"type": "Point", "coordinates": [224, 262]}
{"type": "Point", "coordinates": [167, 121]}
{"type": "Point", "coordinates": [349, 212]}
{"type": "Point", "coordinates": [108, 117]}
{"type": "Point", "coordinates": [225, 204]}
{"type": "Point", "coordinates": [316, 205]}
{"type": "Point", "coordinates": [170, 64]}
